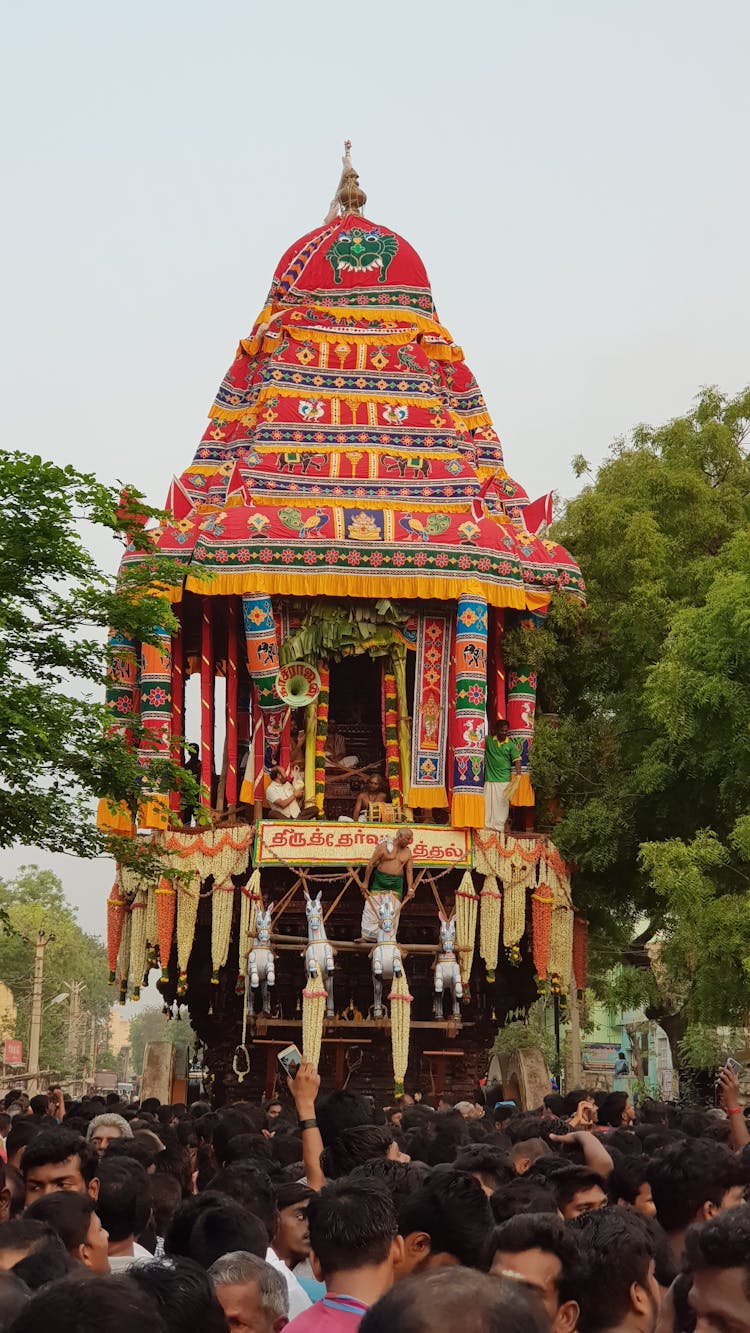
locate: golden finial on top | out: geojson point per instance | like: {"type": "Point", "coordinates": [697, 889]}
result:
{"type": "Point", "coordinates": [349, 197]}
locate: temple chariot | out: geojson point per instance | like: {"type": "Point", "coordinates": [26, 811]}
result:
{"type": "Point", "coordinates": [349, 553]}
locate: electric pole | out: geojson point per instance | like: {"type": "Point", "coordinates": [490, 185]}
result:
{"type": "Point", "coordinates": [42, 940]}
{"type": "Point", "coordinates": [72, 1045]}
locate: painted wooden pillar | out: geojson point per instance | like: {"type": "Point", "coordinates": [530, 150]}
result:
{"type": "Point", "coordinates": [178, 703]}
{"type": "Point", "coordinates": [207, 701]}
{"type": "Point", "coordinates": [232, 719]}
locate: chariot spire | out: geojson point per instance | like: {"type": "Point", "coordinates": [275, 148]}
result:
{"type": "Point", "coordinates": [349, 196]}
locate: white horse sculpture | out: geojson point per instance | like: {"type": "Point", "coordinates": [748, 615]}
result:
{"type": "Point", "coordinates": [386, 956]}
{"type": "Point", "coordinates": [260, 960]}
{"type": "Point", "coordinates": [319, 954]}
{"type": "Point", "coordinates": [447, 970]}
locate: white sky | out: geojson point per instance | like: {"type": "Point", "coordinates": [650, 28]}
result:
{"type": "Point", "coordinates": [574, 177]}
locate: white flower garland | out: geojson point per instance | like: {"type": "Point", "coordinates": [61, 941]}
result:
{"type": "Point", "coordinates": [313, 1013]}
{"type": "Point", "coordinates": [400, 1002]}
{"type": "Point", "coordinates": [490, 905]}
{"type": "Point", "coordinates": [137, 964]}
{"type": "Point", "coordinates": [466, 907]}
{"type": "Point", "coordinates": [188, 895]}
{"type": "Point", "coordinates": [222, 905]}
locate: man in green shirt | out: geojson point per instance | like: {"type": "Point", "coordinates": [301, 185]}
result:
{"type": "Point", "coordinates": [502, 758]}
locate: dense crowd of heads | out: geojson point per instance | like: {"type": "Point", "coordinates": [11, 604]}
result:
{"type": "Point", "coordinates": [579, 1215]}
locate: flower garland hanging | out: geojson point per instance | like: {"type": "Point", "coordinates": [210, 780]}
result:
{"type": "Point", "coordinates": [321, 735]}
{"type": "Point", "coordinates": [222, 906]}
{"type": "Point", "coordinates": [490, 909]}
{"type": "Point", "coordinates": [221, 853]}
{"type": "Point", "coordinates": [250, 897]}
{"type": "Point", "coordinates": [166, 905]}
{"type": "Point", "coordinates": [541, 925]}
{"type": "Point", "coordinates": [560, 962]}
{"type": "Point", "coordinates": [514, 911]}
{"type": "Point", "coordinates": [313, 1013]}
{"type": "Point", "coordinates": [400, 1001]}
{"type": "Point", "coordinates": [561, 946]}
{"type": "Point", "coordinates": [467, 904]}
{"type": "Point", "coordinates": [152, 931]}
{"type": "Point", "coordinates": [393, 762]}
{"type": "Point", "coordinates": [116, 907]}
{"type": "Point", "coordinates": [137, 964]}
{"type": "Point", "coordinates": [123, 957]}
{"type": "Point", "coordinates": [188, 896]}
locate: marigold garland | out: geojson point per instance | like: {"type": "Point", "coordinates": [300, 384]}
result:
{"type": "Point", "coordinates": [313, 1013]}
{"type": "Point", "coordinates": [188, 896]}
{"type": "Point", "coordinates": [490, 911]}
{"type": "Point", "coordinates": [467, 904]}
{"type": "Point", "coordinates": [218, 852]}
{"type": "Point", "coordinates": [400, 1001]}
{"type": "Point", "coordinates": [116, 907]}
{"type": "Point", "coordinates": [166, 905]}
{"type": "Point", "coordinates": [541, 925]}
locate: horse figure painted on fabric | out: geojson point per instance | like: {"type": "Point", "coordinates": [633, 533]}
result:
{"type": "Point", "coordinates": [447, 971]}
{"type": "Point", "coordinates": [359, 251]}
{"type": "Point", "coordinates": [319, 954]}
{"type": "Point", "coordinates": [260, 961]}
{"type": "Point", "coordinates": [386, 956]}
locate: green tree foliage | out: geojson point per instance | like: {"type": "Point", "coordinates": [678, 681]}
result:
{"type": "Point", "coordinates": [34, 900]}
{"type": "Point", "coordinates": [55, 607]}
{"type": "Point", "coordinates": [153, 1025]}
{"type": "Point", "coordinates": [649, 762]}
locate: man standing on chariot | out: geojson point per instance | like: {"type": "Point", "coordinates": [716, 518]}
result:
{"type": "Point", "coordinates": [389, 864]}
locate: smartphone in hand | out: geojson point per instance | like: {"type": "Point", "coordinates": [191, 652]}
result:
{"type": "Point", "coordinates": [290, 1060]}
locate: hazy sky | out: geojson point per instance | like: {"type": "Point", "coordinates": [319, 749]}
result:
{"type": "Point", "coordinates": [574, 177]}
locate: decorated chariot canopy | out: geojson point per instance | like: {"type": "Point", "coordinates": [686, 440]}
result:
{"type": "Point", "coordinates": [348, 496]}
{"type": "Point", "coordinates": [349, 449]}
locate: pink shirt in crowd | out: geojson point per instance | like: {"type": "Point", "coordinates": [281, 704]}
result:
{"type": "Point", "coordinates": [334, 1314]}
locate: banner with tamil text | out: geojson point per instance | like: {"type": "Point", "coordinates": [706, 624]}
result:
{"type": "Point", "coordinates": [299, 843]}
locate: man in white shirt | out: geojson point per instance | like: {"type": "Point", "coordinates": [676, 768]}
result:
{"type": "Point", "coordinates": [298, 1298]}
{"type": "Point", "coordinates": [282, 796]}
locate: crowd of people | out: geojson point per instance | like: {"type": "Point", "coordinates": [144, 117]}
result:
{"type": "Point", "coordinates": [319, 1212]}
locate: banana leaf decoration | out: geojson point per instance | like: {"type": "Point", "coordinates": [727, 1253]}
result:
{"type": "Point", "coordinates": [334, 630]}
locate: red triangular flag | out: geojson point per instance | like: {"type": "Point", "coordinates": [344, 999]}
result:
{"type": "Point", "coordinates": [179, 504]}
{"type": "Point", "coordinates": [537, 516]}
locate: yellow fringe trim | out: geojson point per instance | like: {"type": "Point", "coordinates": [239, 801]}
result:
{"type": "Point", "coordinates": [370, 314]}
{"type": "Point", "coordinates": [467, 808]}
{"type": "Point", "coordinates": [524, 792]}
{"type": "Point", "coordinates": [432, 798]}
{"type": "Point", "coordinates": [442, 351]}
{"type": "Point", "coordinates": [249, 416]}
{"type": "Point", "coordinates": [405, 506]}
{"type": "Point", "coordinates": [473, 423]}
{"type": "Point", "coordinates": [114, 818]}
{"type": "Point", "coordinates": [309, 333]}
{"type": "Point", "coordinates": [270, 314]}
{"type": "Point", "coordinates": [347, 583]}
{"type": "Point", "coordinates": [154, 813]}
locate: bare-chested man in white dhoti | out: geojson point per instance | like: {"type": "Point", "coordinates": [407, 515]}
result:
{"type": "Point", "coordinates": [389, 865]}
